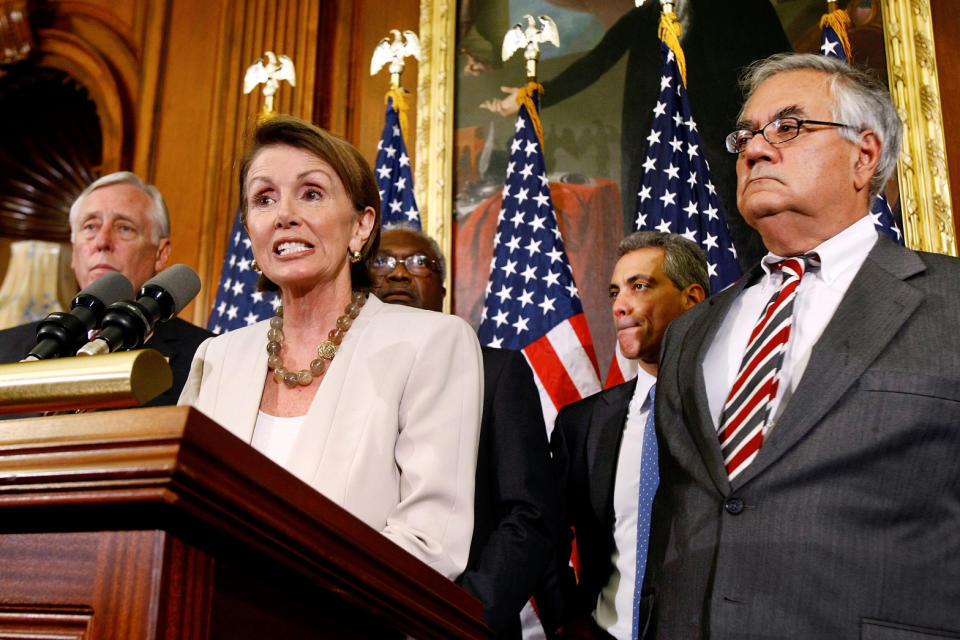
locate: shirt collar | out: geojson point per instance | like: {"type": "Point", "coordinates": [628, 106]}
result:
{"type": "Point", "coordinates": [837, 254]}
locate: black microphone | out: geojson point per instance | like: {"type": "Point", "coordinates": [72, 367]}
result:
{"type": "Point", "coordinates": [60, 334]}
{"type": "Point", "coordinates": [128, 324]}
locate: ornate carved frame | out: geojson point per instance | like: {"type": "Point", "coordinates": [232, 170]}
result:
{"type": "Point", "coordinates": [911, 68]}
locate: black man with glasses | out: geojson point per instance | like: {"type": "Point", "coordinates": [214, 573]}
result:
{"type": "Point", "coordinates": [515, 503]}
{"type": "Point", "coordinates": [809, 415]}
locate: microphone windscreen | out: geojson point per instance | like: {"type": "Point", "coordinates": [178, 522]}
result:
{"type": "Point", "coordinates": [180, 281]}
{"type": "Point", "coordinates": [109, 288]}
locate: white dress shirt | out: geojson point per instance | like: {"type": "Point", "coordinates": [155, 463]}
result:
{"type": "Point", "coordinates": [817, 298]}
{"type": "Point", "coordinates": [614, 610]}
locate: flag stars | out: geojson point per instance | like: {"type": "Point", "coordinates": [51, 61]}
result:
{"type": "Point", "coordinates": [668, 198]}
{"type": "Point", "coordinates": [514, 243]}
{"type": "Point", "coordinates": [664, 226]}
{"type": "Point", "coordinates": [659, 110]}
{"type": "Point", "coordinates": [555, 255]}
{"type": "Point", "coordinates": [692, 150]}
{"type": "Point", "coordinates": [517, 219]}
{"type": "Point", "coordinates": [829, 48]}
{"type": "Point", "coordinates": [510, 268]}
{"type": "Point", "coordinates": [691, 209]}
{"type": "Point", "coordinates": [521, 324]}
{"type": "Point", "coordinates": [653, 138]}
{"type": "Point", "coordinates": [533, 247]}
{"type": "Point", "coordinates": [572, 290]}
{"type": "Point", "coordinates": [237, 288]}
{"type": "Point", "coordinates": [500, 318]}
{"type": "Point", "coordinates": [542, 200]}
{"type": "Point", "coordinates": [710, 242]}
{"type": "Point", "coordinates": [644, 194]}
{"type": "Point", "coordinates": [251, 318]}
{"type": "Point", "coordinates": [404, 160]}
{"type": "Point", "coordinates": [711, 213]}
{"type": "Point", "coordinates": [529, 273]}
{"type": "Point", "coordinates": [552, 279]}
{"type": "Point", "coordinates": [390, 151]}
{"type": "Point", "coordinates": [504, 293]}
{"type": "Point", "coordinates": [649, 164]}
{"type": "Point", "coordinates": [531, 148]}
{"type": "Point", "coordinates": [525, 298]}
{"type": "Point", "coordinates": [522, 195]}
{"type": "Point", "coordinates": [538, 223]}
{"type": "Point", "coordinates": [232, 312]}
{"type": "Point", "coordinates": [672, 172]}
{"type": "Point", "coordinates": [665, 82]}
{"type": "Point", "coordinates": [676, 144]}
{"type": "Point", "coordinates": [547, 304]}
{"type": "Point", "coordinates": [527, 170]}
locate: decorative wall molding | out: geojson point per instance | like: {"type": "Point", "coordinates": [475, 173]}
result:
{"type": "Point", "coordinates": [433, 175]}
{"type": "Point", "coordinates": [923, 175]}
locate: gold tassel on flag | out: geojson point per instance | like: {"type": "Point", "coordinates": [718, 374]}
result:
{"type": "Point", "coordinates": [669, 32]}
{"type": "Point", "coordinates": [525, 99]}
{"type": "Point", "coordinates": [400, 105]}
{"type": "Point", "coordinates": [838, 20]}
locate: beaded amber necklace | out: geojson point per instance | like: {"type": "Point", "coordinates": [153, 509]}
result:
{"type": "Point", "coordinates": [326, 350]}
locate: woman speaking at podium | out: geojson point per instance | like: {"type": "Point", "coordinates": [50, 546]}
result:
{"type": "Point", "coordinates": [376, 406]}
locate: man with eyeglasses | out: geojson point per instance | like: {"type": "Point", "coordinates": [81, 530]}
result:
{"type": "Point", "coordinates": [516, 506]}
{"type": "Point", "coordinates": [812, 488]}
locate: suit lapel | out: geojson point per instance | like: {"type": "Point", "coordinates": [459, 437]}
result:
{"type": "Point", "coordinates": [603, 444]}
{"type": "Point", "coordinates": [693, 351]}
{"type": "Point", "coordinates": [863, 325]}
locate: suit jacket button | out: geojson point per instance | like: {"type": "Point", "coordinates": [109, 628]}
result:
{"type": "Point", "coordinates": [734, 506]}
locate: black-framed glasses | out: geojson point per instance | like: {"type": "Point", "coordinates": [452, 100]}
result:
{"type": "Point", "coordinates": [775, 132]}
{"type": "Point", "coordinates": [418, 264]}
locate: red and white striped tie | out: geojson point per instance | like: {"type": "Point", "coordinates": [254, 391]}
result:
{"type": "Point", "coordinates": [747, 409]}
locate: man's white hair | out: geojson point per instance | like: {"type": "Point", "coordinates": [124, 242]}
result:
{"type": "Point", "coordinates": [157, 213]}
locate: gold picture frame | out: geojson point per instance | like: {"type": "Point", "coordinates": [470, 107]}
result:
{"type": "Point", "coordinates": [912, 71]}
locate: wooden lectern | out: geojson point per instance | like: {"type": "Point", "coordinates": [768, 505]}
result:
{"type": "Point", "coordinates": [158, 523]}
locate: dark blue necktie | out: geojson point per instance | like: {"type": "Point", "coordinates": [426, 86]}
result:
{"type": "Point", "coordinates": [649, 480]}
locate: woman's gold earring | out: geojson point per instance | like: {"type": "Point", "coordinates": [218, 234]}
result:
{"type": "Point", "coordinates": [254, 265]}
{"type": "Point", "coordinates": [355, 257]}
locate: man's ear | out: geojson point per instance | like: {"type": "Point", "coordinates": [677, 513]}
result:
{"type": "Point", "coordinates": [868, 157]}
{"type": "Point", "coordinates": [163, 254]}
{"type": "Point", "coordinates": [693, 294]}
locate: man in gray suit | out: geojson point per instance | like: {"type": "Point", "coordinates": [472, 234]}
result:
{"type": "Point", "coordinates": [809, 416]}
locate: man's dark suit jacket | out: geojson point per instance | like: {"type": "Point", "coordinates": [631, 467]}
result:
{"type": "Point", "coordinates": [176, 339]}
{"type": "Point", "coordinates": [585, 444]}
{"type": "Point", "coordinates": [516, 502]}
{"type": "Point", "coordinates": [847, 523]}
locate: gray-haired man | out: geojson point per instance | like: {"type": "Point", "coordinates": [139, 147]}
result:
{"type": "Point", "coordinates": [119, 223]}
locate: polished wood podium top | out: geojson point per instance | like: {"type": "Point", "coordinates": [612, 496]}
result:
{"type": "Point", "coordinates": [173, 469]}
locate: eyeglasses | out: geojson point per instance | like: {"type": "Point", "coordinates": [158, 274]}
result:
{"type": "Point", "coordinates": [417, 264]}
{"type": "Point", "coordinates": [776, 132]}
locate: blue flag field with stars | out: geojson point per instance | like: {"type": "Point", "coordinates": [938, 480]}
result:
{"type": "Point", "coordinates": [676, 193]}
{"type": "Point", "coordinates": [394, 177]}
{"type": "Point", "coordinates": [238, 303]}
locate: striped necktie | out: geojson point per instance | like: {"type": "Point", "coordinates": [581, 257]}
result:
{"type": "Point", "coordinates": [747, 409]}
{"type": "Point", "coordinates": [649, 481]}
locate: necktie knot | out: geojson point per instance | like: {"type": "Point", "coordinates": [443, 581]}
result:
{"type": "Point", "coordinates": [794, 267]}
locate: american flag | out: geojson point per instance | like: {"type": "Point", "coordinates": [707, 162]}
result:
{"type": "Point", "coordinates": [394, 177]}
{"type": "Point", "coordinates": [532, 302]}
{"type": "Point", "coordinates": [238, 303]}
{"type": "Point", "coordinates": [835, 44]}
{"type": "Point", "coordinates": [676, 194]}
